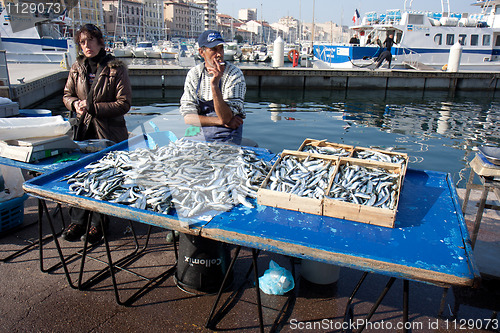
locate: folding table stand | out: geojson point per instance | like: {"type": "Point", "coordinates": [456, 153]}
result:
{"type": "Point", "coordinates": [111, 266]}
{"type": "Point", "coordinates": [487, 173]}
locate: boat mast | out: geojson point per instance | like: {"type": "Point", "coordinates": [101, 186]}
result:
{"type": "Point", "coordinates": [300, 22]}
{"type": "Point", "coordinates": [312, 37]}
{"type": "Point", "coordinates": [445, 3]}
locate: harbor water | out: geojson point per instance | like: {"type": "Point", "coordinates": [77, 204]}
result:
{"type": "Point", "coordinates": [437, 132]}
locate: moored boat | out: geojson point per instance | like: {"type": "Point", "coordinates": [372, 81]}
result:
{"type": "Point", "coordinates": [36, 40]}
{"type": "Point", "coordinates": [142, 48]}
{"type": "Point", "coordinates": [423, 38]}
{"type": "Point", "coordinates": [122, 51]}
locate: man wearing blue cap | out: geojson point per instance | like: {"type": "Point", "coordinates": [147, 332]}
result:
{"type": "Point", "coordinates": [214, 93]}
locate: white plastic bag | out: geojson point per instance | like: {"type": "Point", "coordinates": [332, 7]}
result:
{"type": "Point", "coordinates": [32, 127]}
{"type": "Point", "coordinates": [12, 183]}
{"type": "Point", "coordinates": [276, 280]}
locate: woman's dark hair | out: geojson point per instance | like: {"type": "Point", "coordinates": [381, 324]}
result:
{"type": "Point", "coordinates": [91, 30]}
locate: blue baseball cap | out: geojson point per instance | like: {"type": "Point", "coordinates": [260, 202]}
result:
{"type": "Point", "coordinates": [210, 38]}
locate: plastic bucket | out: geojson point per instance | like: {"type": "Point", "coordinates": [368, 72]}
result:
{"type": "Point", "coordinates": [35, 113]}
{"type": "Point", "coordinates": [319, 272]}
{"type": "Point", "coordinates": [202, 264]}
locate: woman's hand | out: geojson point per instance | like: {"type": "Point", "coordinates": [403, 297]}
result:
{"type": "Point", "coordinates": [81, 107]}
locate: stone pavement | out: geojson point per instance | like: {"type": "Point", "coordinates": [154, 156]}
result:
{"type": "Point", "coordinates": [32, 301]}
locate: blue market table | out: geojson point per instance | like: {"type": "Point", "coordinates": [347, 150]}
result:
{"type": "Point", "coordinates": [430, 242]}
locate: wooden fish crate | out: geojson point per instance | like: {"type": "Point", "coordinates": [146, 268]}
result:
{"type": "Point", "coordinates": [384, 217]}
{"type": "Point", "coordinates": [273, 198]}
{"type": "Point", "coordinates": [403, 156]}
{"type": "Point", "coordinates": [324, 143]}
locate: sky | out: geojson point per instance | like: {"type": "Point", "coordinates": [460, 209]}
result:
{"type": "Point", "coordinates": [338, 11]}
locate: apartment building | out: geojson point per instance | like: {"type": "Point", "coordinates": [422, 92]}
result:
{"type": "Point", "coordinates": [87, 11]}
{"type": "Point", "coordinates": [183, 19]}
{"type": "Point", "coordinates": [134, 20]}
{"type": "Point", "coordinates": [210, 13]}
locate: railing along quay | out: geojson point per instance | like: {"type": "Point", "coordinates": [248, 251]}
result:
{"type": "Point", "coordinates": [166, 77]}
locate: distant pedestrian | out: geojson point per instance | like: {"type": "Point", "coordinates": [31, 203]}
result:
{"type": "Point", "coordinates": [387, 56]}
{"type": "Point", "coordinates": [389, 41]}
{"type": "Point", "coordinates": [354, 40]}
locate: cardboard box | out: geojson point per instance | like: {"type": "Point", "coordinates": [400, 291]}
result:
{"type": "Point", "coordinates": [359, 212]}
{"type": "Point", "coordinates": [274, 198]}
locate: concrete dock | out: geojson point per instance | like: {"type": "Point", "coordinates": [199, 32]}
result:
{"type": "Point", "coordinates": [41, 81]}
{"type": "Point", "coordinates": [32, 301]}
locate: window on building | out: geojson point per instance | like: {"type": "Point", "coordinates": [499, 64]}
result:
{"type": "Point", "coordinates": [450, 39]}
{"type": "Point", "coordinates": [438, 39]}
{"type": "Point", "coordinates": [486, 40]}
{"type": "Point", "coordinates": [462, 39]}
{"type": "Point", "coordinates": [474, 40]}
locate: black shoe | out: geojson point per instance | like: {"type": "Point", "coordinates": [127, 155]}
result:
{"type": "Point", "coordinates": [73, 232]}
{"type": "Point", "coordinates": [95, 234]}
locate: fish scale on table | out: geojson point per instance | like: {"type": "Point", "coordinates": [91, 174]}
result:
{"type": "Point", "coordinates": [191, 176]}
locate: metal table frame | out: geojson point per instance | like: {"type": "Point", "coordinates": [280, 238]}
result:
{"type": "Point", "coordinates": [222, 228]}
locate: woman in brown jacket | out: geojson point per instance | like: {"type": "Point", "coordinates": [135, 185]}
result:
{"type": "Point", "coordinates": [98, 90]}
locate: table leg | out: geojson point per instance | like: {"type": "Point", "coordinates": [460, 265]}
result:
{"type": "Point", "coordinates": [467, 191]}
{"type": "Point", "coordinates": [112, 266]}
{"type": "Point", "coordinates": [479, 215]}
{"type": "Point", "coordinates": [443, 301]}
{"type": "Point", "coordinates": [348, 311]}
{"type": "Point", "coordinates": [255, 254]}
{"type": "Point", "coordinates": [377, 303]}
{"type": "Point", "coordinates": [43, 209]}
{"type": "Point", "coordinates": [208, 323]}
{"type": "Point", "coordinates": [406, 296]}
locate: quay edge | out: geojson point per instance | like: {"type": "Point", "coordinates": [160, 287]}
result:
{"type": "Point", "coordinates": [166, 77]}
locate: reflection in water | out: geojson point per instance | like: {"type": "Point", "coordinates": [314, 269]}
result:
{"type": "Point", "coordinates": [437, 132]}
{"type": "Point", "coordinates": [275, 110]}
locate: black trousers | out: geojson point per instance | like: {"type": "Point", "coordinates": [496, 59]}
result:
{"type": "Point", "coordinates": [81, 216]}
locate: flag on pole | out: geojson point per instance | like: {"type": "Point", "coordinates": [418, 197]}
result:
{"type": "Point", "coordinates": [356, 16]}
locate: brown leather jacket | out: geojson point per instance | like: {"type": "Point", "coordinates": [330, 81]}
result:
{"type": "Point", "coordinates": [112, 97]}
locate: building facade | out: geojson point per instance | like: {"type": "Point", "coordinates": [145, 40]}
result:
{"type": "Point", "coordinates": [210, 13]}
{"type": "Point", "coordinates": [183, 19]}
{"type": "Point", "coordinates": [87, 11]}
{"type": "Point", "coordinates": [247, 14]}
{"type": "Point", "coordinates": [134, 20]}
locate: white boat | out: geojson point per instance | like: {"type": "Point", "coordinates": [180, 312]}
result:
{"type": "Point", "coordinates": [154, 53]}
{"type": "Point", "coordinates": [169, 50]}
{"type": "Point", "coordinates": [261, 53]}
{"type": "Point", "coordinates": [247, 53]}
{"type": "Point", "coordinates": [122, 51]}
{"type": "Point", "coordinates": [142, 48]}
{"type": "Point", "coordinates": [423, 38]}
{"type": "Point", "coordinates": [35, 40]}
{"type": "Point", "coordinates": [232, 51]}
